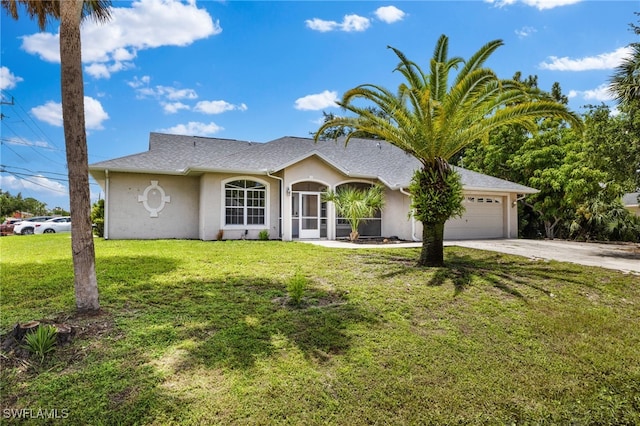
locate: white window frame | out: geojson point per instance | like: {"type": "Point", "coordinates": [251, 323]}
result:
{"type": "Point", "coordinates": [223, 203]}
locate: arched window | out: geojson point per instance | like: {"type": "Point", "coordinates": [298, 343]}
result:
{"type": "Point", "coordinates": [245, 203]}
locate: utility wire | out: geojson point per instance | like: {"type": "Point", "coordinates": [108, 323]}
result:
{"type": "Point", "coordinates": [17, 108]}
{"type": "Point", "coordinates": [37, 174]}
{"type": "Point", "coordinates": [23, 177]}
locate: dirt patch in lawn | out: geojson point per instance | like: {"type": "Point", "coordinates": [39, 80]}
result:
{"type": "Point", "coordinates": [86, 327]}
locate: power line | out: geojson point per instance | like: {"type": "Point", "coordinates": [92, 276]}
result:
{"type": "Point", "coordinates": [15, 152]}
{"type": "Point", "coordinates": [17, 108]}
{"type": "Point", "coordinates": [37, 174]}
{"type": "Point", "coordinates": [23, 177]}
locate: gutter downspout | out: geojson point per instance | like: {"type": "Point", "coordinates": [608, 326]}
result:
{"type": "Point", "coordinates": [413, 219]}
{"type": "Point", "coordinates": [281, 224]}
{"type": "Point", "coordinates": [106, 205]}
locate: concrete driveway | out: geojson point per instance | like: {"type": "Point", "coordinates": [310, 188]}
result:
{"type": "Point", "coordinates": [621, 257]}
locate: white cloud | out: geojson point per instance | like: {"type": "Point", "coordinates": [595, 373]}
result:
{"type": "Point", "coordinates": [604, 61]}
{"type": "Point", "coordinates": [321, 25]}
{"type": "Point", "coordinates": [167, 92]}
{"type": "Point", "coordinates": [318, 101]}
{"type": "Point", "coordinates": [599, 94]}
{"type": "Point", "coordinates": [25, 142]}
{"type": "Point", "coordinates": [45, 45]}
{"type": "Point", "coordinates": [38, 184]}
{"type": "Point", "coordinates": [173, 107]}
{"type": "Point", "coordinates": [194, 128]}
{"type": "Point", "coordinates": [7, 79]}
{"type": "Point", "coordinates": [51, 113]}
{"type": "Point", "coordinates": [131, 29]}
{"type": "Point", "coordinates": [525, 32]}
{"type": "Point", "coordinates": [101, 70]}
{"type": "Point", "coordinates": [355, 23]}
{"type": "Point", "coordinates": [217, 107]}
{"type": "Point", "coordinates": [349, 23]}
{"type": "Point", "coordinates": [137, 82]}
{"type": "Point", "coordinates": [389, 14]}
{"type": "Point", "coordinates": [538, 4]}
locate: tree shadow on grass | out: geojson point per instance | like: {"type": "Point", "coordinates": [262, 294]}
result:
{"type": "Point", "coordinates": [230, 322]}
{"type": "Point", "coordinates": [511, 275]}
{"type": "Point", "coordinates": [47, 288]}
{"type": "Point", "coordinates": [245, 318]}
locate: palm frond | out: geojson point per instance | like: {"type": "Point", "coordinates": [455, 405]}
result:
{"type": "Point", "coordinates": [478, 59]}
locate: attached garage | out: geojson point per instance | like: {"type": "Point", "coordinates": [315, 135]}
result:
{"type": "Point", "coordinates": [485, 216]}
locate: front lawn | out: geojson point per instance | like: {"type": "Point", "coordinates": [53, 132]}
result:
{"type": "Point", "coordinates": [196, 332]}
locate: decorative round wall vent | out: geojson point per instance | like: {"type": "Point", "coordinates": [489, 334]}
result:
{"type": "Point", "coordinates": [157, 196]}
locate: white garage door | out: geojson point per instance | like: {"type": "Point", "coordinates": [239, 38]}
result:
{"type": "Point", "coordinates": [483, 218]}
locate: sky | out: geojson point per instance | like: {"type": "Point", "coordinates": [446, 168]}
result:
{"type": "Point", "coordinates": [257, 71]}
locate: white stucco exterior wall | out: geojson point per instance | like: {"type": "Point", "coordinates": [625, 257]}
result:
{"type": "Point", "coordinates": [395, 216]}
{"type": "Point", "coordinates": [129, 219]}
{"type": "Point", "coordinates": [211, 214]}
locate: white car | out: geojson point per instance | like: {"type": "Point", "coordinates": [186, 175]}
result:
{"type": "Point", "coordinates": [51, 226]}
{"type": "Point", "coordinates": [27, 226]}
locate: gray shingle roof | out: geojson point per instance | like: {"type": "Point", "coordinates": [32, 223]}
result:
{"type": "Point", "coordinates": [172, 154]}
{"type": "Point", "coordinates": [364, 158]}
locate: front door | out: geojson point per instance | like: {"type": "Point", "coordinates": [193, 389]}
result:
{"type": "Point", "coordinates": [310, 215]}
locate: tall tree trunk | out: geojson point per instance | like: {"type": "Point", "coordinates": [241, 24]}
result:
{"type": "Point", "coordinates": [84, 270]}
{"type": "Point", "coordinates": [432, 253]}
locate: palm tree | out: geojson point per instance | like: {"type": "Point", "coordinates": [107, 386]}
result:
{"type": "Point", "coordinates": [625, 82]}
{"type": "Point", "coordinates": [355, 205]}
{"type": "Point", "coordinates": [71, 13]}
{"type": "Point", "coordinates": [432, 120]}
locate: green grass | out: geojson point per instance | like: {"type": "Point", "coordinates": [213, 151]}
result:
{"type": "Point", "coordinates": [196, 332]}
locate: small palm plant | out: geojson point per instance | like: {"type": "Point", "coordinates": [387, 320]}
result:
{"type": "Point", "coordinates": [41, 341]}
{"type": "Point", "coordinates": [296, 286]}
{"type": "Point", "coordinates": [356, 205]}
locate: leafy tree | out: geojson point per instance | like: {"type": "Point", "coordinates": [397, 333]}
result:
{"type": "Point", "coordinates": [71, 13]}
{"type": "Point", "coordinates": [97, 217]}
{"type": "Point", "coordinates": [613, 144]}
{"type": "Point", "coordinates": [577, 177]}
{"type": "Point", "coordinates": [34, 206]}
{"type": "Point", "coordinates": [9, 204]}
{"type": "Point", "coordinates": [433, 120]}
{"type": "Point", "coordinates": [558, 167]}
{"type": "Point", "coordinates": [356, 204]}
{"type": "Point", "coordinates": [59, 211]}
{"type": "Point", "coordinates": [333, 133]}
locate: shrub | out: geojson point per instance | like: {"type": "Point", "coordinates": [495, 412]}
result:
{"type": "Point", "coordinates": [263, 235]}
{"type": "Point", "coordinates": [41, 341]}
{"type": "Point", "coordinates": [296, 287]}
{"type": "Point", "coordinates": [97, 218]}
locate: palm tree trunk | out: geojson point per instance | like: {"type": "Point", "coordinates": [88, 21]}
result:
{"type": "Point", "coordinates": [432, 253]}
{"type": "Point", "coordinates": [85, 282]}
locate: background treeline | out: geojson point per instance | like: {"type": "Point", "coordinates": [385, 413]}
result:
{"type": "Point", "coordinates": [11, 204]}
{"type": "Point", "coordinates": [581, 177]}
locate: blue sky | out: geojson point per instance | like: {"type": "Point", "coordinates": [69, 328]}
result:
{"type": "Point", "coordinates": [261, 70]}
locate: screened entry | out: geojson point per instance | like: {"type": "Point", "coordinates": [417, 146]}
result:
{"type": "Point", "coordinates": [371, 227]}
{"type": "Point", "coordinates": [308, 211]}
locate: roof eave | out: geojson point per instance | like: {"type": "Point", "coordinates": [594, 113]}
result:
{"type": "Point", "coordinates": [526, 191]}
